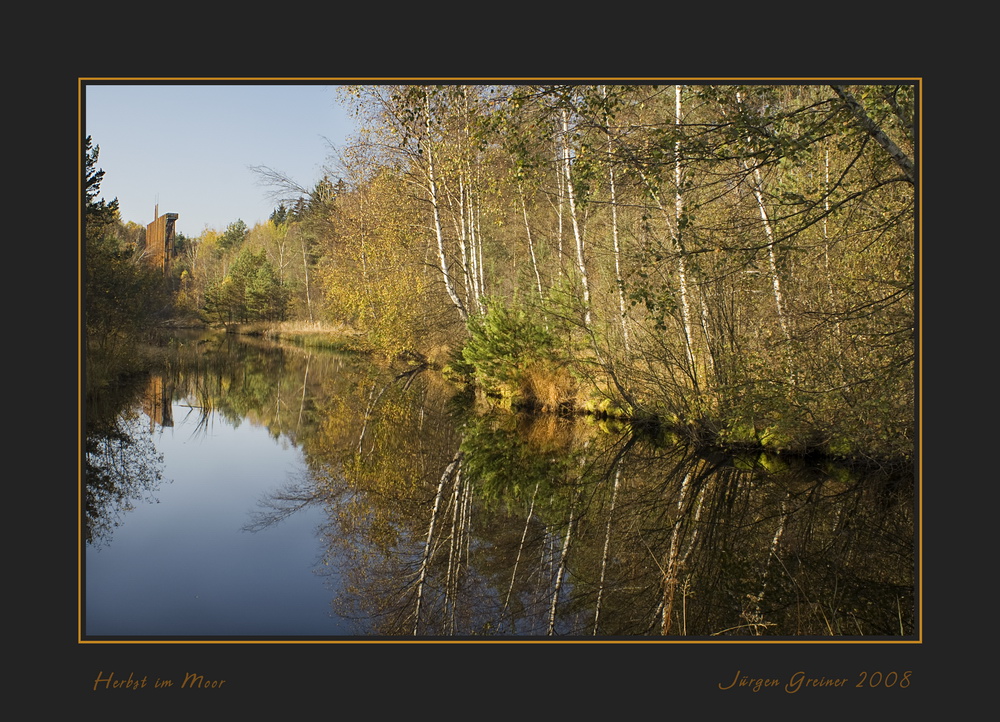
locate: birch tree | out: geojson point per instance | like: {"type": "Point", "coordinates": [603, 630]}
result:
{"type": "Point", "coordinates": [567, 165]}
{"type": "Point", "coordinates": [435, 201]}
{"type": "Point", "coordinates": [619, 281]}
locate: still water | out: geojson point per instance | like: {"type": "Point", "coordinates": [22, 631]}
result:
{"type": "Point", "coordinates": [182, 563]}
{"type": "Point", "coordinates": [242, 490]}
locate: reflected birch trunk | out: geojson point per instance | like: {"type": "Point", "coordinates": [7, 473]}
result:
{"type": "Point", "coordinates": [755, 618]}
{"type": "Point", "coordinates": [561, 572]}
{"type": "Point", "coordinates": [458, 548]}
{"type": "Point", "coordinates": [520, 552]}
{"type": "Point", "coordinates": [302, 400]}
{"type": "Point", "coordinates": [454, 553]}
{"type": "Point", "coordinates": [429, 543]}
{"type": "Point", "coordinates": [675, 562]}
{"type": "Point", "coordinates": [372, 401]}
{"type": "Point", "coordinates": [607, 546]}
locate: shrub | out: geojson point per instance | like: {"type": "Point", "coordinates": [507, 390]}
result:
{"type": "Point", "coordinates": [510, 355]}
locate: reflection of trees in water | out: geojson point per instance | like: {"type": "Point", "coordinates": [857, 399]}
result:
{"type": "Point", "coordinates": [702, 547]}
{"type": "Point", "coordinates": [292, 496]}
{"type": "Point", "coordinates": [445, 523]}
{"type": "Point", "coordinates": [538, 528]}
{"type": "Point", "coordinates": [121, 466]}
{"type": "Point", "coordinates": [239, 379]}
{"type": "Point", "coordinates": [207, 374]}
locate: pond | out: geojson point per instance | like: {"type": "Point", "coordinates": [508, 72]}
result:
{"type": "Point", "coordinates": [243, 490]}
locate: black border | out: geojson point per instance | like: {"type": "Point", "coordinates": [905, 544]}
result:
{"type": "Point", "coordinates": [534, 679]}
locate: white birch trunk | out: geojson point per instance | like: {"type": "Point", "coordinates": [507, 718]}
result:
{"type": "Point", "coordinates": [478, 245]}
{"type": "Point", "coordinates": [826, 249]}
{"type": "Point", "coordinates": [560, 194]}
{"type": "Point", "coordinates": [679, 240]}
{"type": "Point", "coordinates": [682, 281]}
{"type": "Point", "coordinates": [779, 302]}
{"type": "Point", "coordinates": [461, 231]}
{"type": "Point", "coordinates": [468, 219]}
{"type": "Point", "coordinates": [869, 126]}
{"type": "Point", "coordinates": [435, 204]}
{"type": "Point", "coordinates": [531, 245]}
{"type": "Point", "coordinates": [305, 269]}
{"type": "Point", "coordinates": [577, 233]}
{"type": "Point", "coordinates": [622, 309]}
{"type": "Point", "coordinates": [471, 175]}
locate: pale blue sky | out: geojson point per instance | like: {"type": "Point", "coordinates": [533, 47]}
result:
{"type": "Point", "coordinates": [189, 148]}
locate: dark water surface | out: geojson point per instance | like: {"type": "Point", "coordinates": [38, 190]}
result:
{"type": "Point", "coordinates": [245, 490]}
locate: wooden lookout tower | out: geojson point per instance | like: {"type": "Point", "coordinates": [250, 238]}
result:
{"type": "Point", "coordinates": [160, 248]}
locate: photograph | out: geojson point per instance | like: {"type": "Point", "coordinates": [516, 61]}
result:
{"type": "Point", "coordinates": [422, 366]}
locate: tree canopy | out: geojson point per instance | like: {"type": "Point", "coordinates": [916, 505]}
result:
{"type": "Point", "coordinates": [736, 260]}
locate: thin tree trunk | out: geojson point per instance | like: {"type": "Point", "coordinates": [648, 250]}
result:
{"type": "Point", "coordinates": [439, 234]}
{"type": "Point", "coordinates": [679, 238]}
{"type": "Point", "coordinates": [531, 245]}
{"type": "Point", "coordinates": [614, 238]}
{"type": "Point", "coordinates": [581, 264]}
{"type": "Point", "coordinates": [560, 194]}
{"type": "Point", "coordinates": [472, 172]}
{"type": "Point", "coordinates": [832, 299]}
{"type": "Point", "coordinates": [461, 232]}
{"type": "Point", "coordinates": [870, 127]}
{"type": "Point", "coordinates": [710, 342]}
{"type": "Point", "coordinates": [682, 281]}
{"type": "Point", "coordinates": [305, 268]}
{"type": "Point", "coordinates": [779, 301]}
{"type": "Point", "coordinates": [478, 246]}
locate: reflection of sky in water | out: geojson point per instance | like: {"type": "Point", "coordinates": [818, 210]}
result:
{"type": "Point", "coordinates": [184, 566]}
